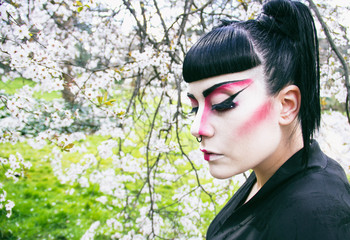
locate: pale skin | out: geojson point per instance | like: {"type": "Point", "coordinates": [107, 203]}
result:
{"type": "Point", "coordinates": [243, 127]}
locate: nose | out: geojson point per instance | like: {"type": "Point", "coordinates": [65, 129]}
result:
{"type": "Point", "coordinates": [201, 125]}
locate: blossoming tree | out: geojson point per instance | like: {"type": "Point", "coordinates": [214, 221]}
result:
{"type": "Point", "coordinates": [118, 68]}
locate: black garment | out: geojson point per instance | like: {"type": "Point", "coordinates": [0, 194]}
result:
{"type": "Point", "coordinates": [297, 202]}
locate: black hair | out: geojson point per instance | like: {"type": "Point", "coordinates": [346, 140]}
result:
{"type": "Point", "coordinates": [226, 49]}
{"type": "Point", "coordinates": [283, 39]}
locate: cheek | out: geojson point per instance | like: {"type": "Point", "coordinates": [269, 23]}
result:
{"type": "Point", "coordinates": [204, 118]}
{"type": "Point", "coordinates": [261, 114]}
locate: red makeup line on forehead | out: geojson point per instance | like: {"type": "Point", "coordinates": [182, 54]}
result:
{"type": "Point", "coordinates": [226, 86]}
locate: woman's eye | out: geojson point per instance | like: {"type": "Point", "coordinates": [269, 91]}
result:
{"type": "Point", "coordinates": [225, 105]}
{"type": "Point", "coordinates": [194, 110]}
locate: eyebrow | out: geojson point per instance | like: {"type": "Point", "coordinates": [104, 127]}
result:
{"type": "Point", "coordinates": [208, 91]}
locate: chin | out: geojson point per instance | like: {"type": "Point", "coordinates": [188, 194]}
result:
{"type": "Point", "coordinates": [221, 173]}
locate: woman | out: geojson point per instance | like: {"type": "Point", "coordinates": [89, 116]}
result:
{"type": "Point", "coordinates": [254, 87]}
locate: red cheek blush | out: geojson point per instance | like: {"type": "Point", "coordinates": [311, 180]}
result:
{"type": "Point", "coordinates": [258, 116]}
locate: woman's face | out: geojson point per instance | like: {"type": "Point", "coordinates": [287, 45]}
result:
{"type": "Point", "coordinates": [238, 122]}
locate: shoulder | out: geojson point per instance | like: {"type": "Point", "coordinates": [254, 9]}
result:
{"type": "Point", "coordinates": [317, 216]}
{"type": "Point", "coordinates": [323, 178]}
{"type": "Point", "coordinates": [314, 204]}
{"type": "Point", "coordinates": [318, 188]}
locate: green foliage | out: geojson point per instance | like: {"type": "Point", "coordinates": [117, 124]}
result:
{"type": "Point", "coordinates": [48, 209]}
{"type": "Point", "coordinates": [43, 208]}
{"type": "Point", "coordinates": [12, 87]}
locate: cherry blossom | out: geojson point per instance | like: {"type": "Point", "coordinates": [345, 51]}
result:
{"type": "Point", "coordinates": [116, 67]}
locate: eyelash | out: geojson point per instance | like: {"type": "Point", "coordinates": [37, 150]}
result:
{"type": "Point", "coordinates": [220, 107]}
{"type": "Point", "coordinates": [225, 105]}
{"type": "Point", "coordinates": [194, 110]}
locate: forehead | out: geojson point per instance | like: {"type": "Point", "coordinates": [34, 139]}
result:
{"type": "Point", "coordinates": [255, 74]}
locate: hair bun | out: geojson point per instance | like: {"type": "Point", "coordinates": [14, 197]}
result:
{"type": "Point", "coordinates": [227, 22]}
{"type": "Point", "coordinates": [280, 16]}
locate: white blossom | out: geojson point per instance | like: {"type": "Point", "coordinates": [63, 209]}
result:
{"type": "Point", "coordinates": [90, 233]}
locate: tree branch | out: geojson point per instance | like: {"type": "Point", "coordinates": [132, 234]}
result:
{"type": "Point", "coordinates": [336, 51]}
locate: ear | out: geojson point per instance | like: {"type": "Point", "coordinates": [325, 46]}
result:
{"type": "Point", "coordinates": [289, 99]}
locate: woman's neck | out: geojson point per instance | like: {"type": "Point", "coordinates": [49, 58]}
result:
{"type": "Point", "coordinates": [288, 147]}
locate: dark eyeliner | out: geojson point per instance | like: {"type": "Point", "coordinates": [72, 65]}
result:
{"type": "Point", "coordinates": [226, 104]}
{"type": "Point", "coordinates": [194, 110]}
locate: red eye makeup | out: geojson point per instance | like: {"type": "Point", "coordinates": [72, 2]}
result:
{"type": "Point", "coordinates": [226, 87]}
{"type": "Point", "coordinates": [194, 103]}
{"type": "Point", "coordinates": [220, 88]}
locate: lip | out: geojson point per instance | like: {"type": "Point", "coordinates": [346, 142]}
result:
{"type": "Point", "coordinates": [211, 156]}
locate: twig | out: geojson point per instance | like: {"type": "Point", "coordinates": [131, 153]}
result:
{"type": "Point", "coordinates": [336, 51]}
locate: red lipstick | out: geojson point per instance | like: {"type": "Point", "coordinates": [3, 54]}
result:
{"type": "Point", "coordinates": [210, 156]}
{"type": "Point", "coordinates": [206, 154]}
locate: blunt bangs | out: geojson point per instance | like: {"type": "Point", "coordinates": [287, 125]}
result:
{"type": "Point", "coordinates": [224, 50]}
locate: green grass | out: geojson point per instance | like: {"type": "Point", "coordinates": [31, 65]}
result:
{"type": "Point", "coordinates": [43, 209]}
{"type": "Point", "coordinates": [12, 87]}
